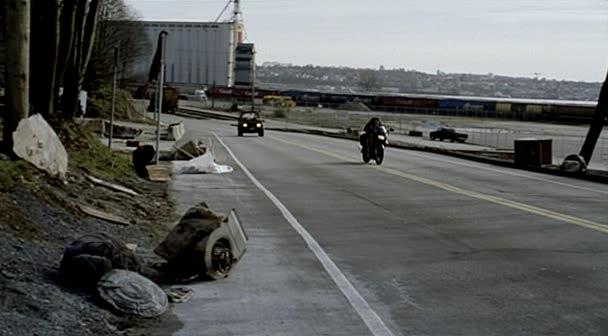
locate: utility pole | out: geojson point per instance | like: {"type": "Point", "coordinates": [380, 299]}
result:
{"type": "Point", "coordinates": [213, 96]}
{"type": "Point", "coordinates": [252, 80]}
{"type": "Point", "coordinates": [597, 124]}
{"type": "Point", "coordinates": [18, 63]}
{"type": "Point", "coordinates": [113, 97]}
{"type": "Point", "coordinates": [161, 84]}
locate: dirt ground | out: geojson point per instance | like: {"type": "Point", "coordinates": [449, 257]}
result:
{"type": "Point", "coordinates": [39, 216]}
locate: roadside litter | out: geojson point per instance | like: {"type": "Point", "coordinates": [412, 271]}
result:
{"type": "Point", "coordinates": [204, 164]}
{"type": "Point", "coordinates": [121, 132]}
{"type": "Point", "coordinates": [143, 156]}
{"type": "Point", "coordinates": [186, 149]}
{"type": "Point", "coordinates": [203, 245]}
{"type": "Point", "coordinates": [112, 186]}
{"type": "Point", "coordinates": [179, 294]}
{"type": "Point", "coordinates": [89, 257]}
{"type": "Point", "coordinates": [133, 294]}
{"type": "Point", "coordinates": [112, 218]}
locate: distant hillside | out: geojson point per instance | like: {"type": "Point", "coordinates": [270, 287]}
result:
{"type": "Point", "coordinates": [341, 79]}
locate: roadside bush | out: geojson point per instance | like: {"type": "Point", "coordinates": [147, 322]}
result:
{"type": "Point", "coordinates": [279, 113]}
{"type": "Point", "coordinates": [99, 104]}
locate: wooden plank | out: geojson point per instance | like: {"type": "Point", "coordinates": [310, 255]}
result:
{"type": "Point", "coordinates": [112, 186]}
{"type": "Point", "coordinates": [103, 215]}
{"type": "Point", "coordinates": [159, 173]}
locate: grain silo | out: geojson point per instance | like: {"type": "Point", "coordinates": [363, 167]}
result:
{"type": "Point", "coordinates": [197, 53]}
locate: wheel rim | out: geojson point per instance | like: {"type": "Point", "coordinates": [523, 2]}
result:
{"type": "Point", "coordinates": [221, 257]}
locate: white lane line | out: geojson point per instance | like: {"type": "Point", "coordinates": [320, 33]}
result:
{"type": "Point", "coordinates": [365, 311]}
{"type": "Point", "coordinates": [502, 171]}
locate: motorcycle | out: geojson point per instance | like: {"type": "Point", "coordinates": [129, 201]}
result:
{"type": "Point", "coordinates": [373, 148]}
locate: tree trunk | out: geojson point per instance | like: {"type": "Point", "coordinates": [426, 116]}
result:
{"type": "Point", "coordinates": [44, 54]}
{"type": "Point", "coordinates": [67, 24]}
{"type": "Point", "coordinates": [83, 37]}
{"type": "Point", "coordinates": [18, 52]}
{"type": "Point", "coordinates": [597, 124]}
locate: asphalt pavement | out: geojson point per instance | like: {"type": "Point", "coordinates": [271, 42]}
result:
{"type": "Point", "coordinates": [422, 245]}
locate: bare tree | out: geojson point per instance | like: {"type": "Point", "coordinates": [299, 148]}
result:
{"type": "Point", "coordinates": [18, 42]}
{"type": "Point", "coordinates": [77, 31]}
{"type": "Point", "coordinates": [368, 80]}
{"type": "Point", "coordinates": [119, 26]}
{"type": "Point", "coordinates": [2, 43]}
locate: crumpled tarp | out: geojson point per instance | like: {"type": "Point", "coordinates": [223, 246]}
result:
{"type": "Point", "coordinates": [204, 164]}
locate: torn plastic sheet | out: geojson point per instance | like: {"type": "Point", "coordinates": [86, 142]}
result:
{"type": "Point", "coordinates": [204, 164]}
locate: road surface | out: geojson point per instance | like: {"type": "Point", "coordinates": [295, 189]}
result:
{"type": "Point", "coordinates": [422, 245]}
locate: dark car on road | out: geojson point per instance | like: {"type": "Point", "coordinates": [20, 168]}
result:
{"type": "Point", "coordinates": [250, 122]}
{"type": "Point", "coordinates": [445, 133]}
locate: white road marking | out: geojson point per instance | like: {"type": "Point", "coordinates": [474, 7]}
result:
{"type": "Point", "coordinates": [365, 311]}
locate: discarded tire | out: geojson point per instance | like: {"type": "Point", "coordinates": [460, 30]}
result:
{"type": "Point", "coordinates": [203, 243]}
{"type": "Point", "coordinates": [133, 294]}
{"type": "Point", "coordinates": [574, 164]}
{"type": "Point", "coordinates": [89, 257]}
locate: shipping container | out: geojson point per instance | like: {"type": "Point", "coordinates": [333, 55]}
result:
{"type": "Point", "coordinates": [466, 105]}
{"type": "Point", "coordinates": [405, 102]}
{"type": "Point", "coordinates": [503, 109]}
{"type": "Point", "coordinates": [534, 109]}
{"type": "Point", "coordinates": [570, 112]}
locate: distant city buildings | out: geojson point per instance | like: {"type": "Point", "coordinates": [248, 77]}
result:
{"type": "Point", "coordinates": [342, 79]}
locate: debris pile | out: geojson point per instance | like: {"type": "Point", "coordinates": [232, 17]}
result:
{"type": "Point", "coordinates": [186, 149]}
{"type": "Point", "coordinates": [121, 132]}
{"type": "Point", "coordinates": [204, 164]}
{"type": "Point", "coordinates": [200, 159]}
{"type": "Point", "coordinates": [354, 106]}
{"type": "Point", "coordinates": [204, 244]}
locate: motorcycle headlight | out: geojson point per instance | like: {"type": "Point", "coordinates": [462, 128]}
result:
{"type": "Point", "coordinates": [245, 125]}
{"type": "Point", "coordinates": [381, 137]}
{"type": "Point", "coordinates": [258, 125]}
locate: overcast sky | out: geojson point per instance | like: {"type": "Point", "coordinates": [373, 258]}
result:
{"type": "Point", "coordinates": [562, 39]}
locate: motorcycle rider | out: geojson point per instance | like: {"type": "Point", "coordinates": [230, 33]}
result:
{"type": "Point", "coordinates": [369, 128]}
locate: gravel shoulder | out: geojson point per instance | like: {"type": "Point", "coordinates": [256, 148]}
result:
{"type": "Point", "coordinates": [40, 215]}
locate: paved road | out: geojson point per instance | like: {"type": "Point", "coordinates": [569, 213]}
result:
{"type": "Point", "coordinates": [423, 245]}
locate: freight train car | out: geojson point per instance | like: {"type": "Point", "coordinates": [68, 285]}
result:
{"type": "Point", "coordinates": [403, 104]}
{"type": "Point", "coordinates": [467, 107]}
{"type": "Point", "coordinates": [237, 93]}
{"type": "Point", "coordinates": [573, 112]}
{"type": "Point", "coordinates": [508, 108]}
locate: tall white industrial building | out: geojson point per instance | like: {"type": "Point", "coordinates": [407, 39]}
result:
{"type": "Point", "coordinates": [197, 53]}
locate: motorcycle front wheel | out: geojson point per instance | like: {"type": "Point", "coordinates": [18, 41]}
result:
{"type": "Point", "coordinates": [379, 155]}
{"type": "Point", "coordinates": [365, 156]}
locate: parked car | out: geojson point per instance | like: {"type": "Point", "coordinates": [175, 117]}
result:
{"type": "Point", "coordinates": [444, 133]}
{"type": "Point", "coordinates": [250, 122]}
